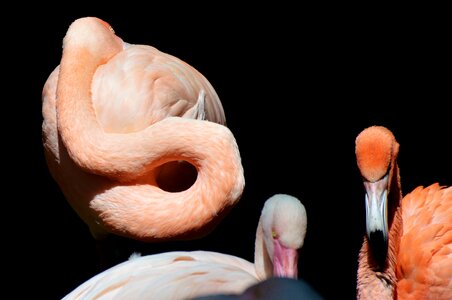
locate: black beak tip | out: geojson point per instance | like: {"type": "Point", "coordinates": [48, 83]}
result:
{"type": "Point", "coordinates": [378, 243]}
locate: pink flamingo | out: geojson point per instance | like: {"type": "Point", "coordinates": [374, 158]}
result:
{"type": "Point", "coordinates": [407, 253]}
{"type": "Point", "coordinates": [183, 275]}
{"type": "Point", "coordinates": [136, 139]}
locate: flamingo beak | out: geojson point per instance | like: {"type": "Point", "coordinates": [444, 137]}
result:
{"type": "Point", "coordinates": [376, 217]}
{"type": "Point", "coordinates": [285, 261]}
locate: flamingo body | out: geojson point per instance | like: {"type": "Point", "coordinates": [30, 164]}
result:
{"type": "Point", "coordinates": [184, 275]}
{"type": "Point", "coordinates": [171, 275]}
{"type": "Point", "coordinates": [136, 139]}
{"type": "Point", "coordinates": [426, 271]}
{"type": "Point", "coordinates": [407, 253]}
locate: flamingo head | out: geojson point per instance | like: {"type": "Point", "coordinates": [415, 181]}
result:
{"type": "Point", "coordinates": [284, 228]}
{"type": "Point", "coordinates": [95, 35]}
{"type": "Point", "coordinates": [376, 153]}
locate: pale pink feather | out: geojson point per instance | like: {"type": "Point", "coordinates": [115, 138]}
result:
{"type": "Point", "coordinates": [118, 121]}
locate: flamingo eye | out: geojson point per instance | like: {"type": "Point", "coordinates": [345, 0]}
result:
{"type": "Point", "coordinates": [274, 234]}
{"type": "Point", "coordinates": [107, 25]}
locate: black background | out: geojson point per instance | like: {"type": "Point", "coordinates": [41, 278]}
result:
{"type": "Point", "coordinates": [297, 86]}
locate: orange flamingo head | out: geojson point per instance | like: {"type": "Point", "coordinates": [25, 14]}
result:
{"type": "Point", "coordinates": [376, 149]}
{"type": "Point", "coordinates": [376, 153]}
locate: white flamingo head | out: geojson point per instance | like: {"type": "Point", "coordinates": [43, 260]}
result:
{"type": "Point", "coordinates": [284, 224]}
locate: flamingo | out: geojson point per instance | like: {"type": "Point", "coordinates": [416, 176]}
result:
{"type": "Point", "coordinates": [137, 139]}
{"type": "Point", "coordinates": [183, 275]}
{"type": "Point", "coordinates": [407, 252]}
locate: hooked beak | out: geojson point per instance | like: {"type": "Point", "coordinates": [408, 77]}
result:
{"type": "Point", "coordinates": [285, 261]}
{"type": "Point", "coordinates": [376, 217]}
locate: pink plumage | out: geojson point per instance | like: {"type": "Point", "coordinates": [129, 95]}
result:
{"type": "Point", "coordinates": [136, 139]}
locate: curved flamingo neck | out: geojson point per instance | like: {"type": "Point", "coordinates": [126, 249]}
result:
{"type": "Point", "coordinates": [262, 260]}
{"type": "Point", "coordinates": [120, 156]}
{"type": "Point", "coordinates": [128, 157]}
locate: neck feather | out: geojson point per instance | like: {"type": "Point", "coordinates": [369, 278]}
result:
{"type": "Point", "coordinates": [262, 259]}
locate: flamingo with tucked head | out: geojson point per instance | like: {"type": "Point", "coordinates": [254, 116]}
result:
{"type": "Point", "coordinates": [136, 139]}
{"type": "Point", "coordinates": [407, 253]}
{"type": "Point", "coordinates": [184, 275]}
